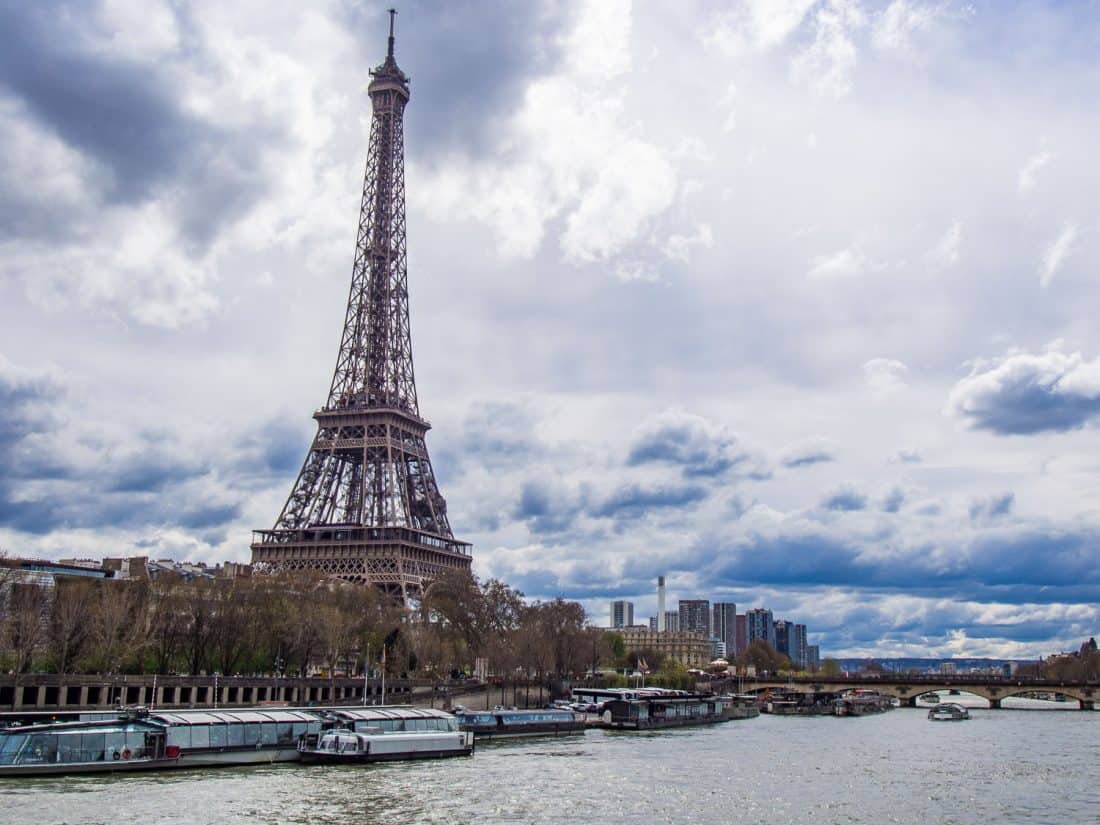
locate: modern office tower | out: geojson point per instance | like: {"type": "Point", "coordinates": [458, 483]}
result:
{"type": "Point", "coordinates": [796, 644]}
{"type": "Point", "coordinates": [653, 623]}
{"type": "Point", "coordinates": [661, 604]}
{"type": "Point", "coordinates": [813, 657]}
{"type": "Point", "coordinates": [622, 614]}
{"type": "Point", "coordinates": [695, 616]}
{"type": "Point", "coordinates": [724, 625]}
{"type": "Point", "coordinates": [782, 638]}
{"type": "Point", "coordinates": [672, 620]}
{"type": "Point", "coordinates": [742, 634]}
{"type": "Point", "coordinates": [759, 624]}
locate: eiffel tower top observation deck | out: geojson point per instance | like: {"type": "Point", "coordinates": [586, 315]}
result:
{"type": "Point", "coordinates": [366, 506]}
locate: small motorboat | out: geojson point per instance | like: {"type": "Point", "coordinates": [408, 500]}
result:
{"type": "Point", "coordinates": [948, 712]}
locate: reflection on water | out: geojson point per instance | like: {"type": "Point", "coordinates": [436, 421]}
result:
{"type": "Point", "coordinates": [1001, 766]}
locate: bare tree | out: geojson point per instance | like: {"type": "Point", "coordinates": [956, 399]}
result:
{"type": "Point", "coordinates": [70, 617]}
{"type": "Point", "coordinates": [26, 623]}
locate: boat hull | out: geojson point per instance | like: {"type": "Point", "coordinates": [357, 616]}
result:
{"type": "Point", "coordinates": [323, 758]}
{"type": "Point", "coordinates": [521, 731]}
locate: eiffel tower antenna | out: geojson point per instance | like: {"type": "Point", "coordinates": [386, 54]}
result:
{"type": "Point", "coordinates": [366, 506]}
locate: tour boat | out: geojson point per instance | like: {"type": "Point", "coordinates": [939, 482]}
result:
{"type": "Point", "coordinates": [650, 708]}
{"type": "Point", "coordinates": [502, 722]}
{"type": "Point", "coordinates": [860, 702]}
{"type": "Point", "coordinates": [138, 740]}
{"type": "Point", "coordinates": [948, 712]}
{"type": "Point", "coordinates": [382, 734]}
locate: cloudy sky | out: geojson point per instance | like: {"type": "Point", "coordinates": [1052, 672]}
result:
{"type": "Point", "coordinates": [792, 302]}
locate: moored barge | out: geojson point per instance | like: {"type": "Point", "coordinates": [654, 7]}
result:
{"type": "Point", "coordinates": [654, 708]}
{"type": "Point", "coordinates": [503, 723]}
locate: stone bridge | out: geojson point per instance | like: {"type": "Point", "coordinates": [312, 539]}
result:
{"type": "Point", "coordinates": [908, 688]}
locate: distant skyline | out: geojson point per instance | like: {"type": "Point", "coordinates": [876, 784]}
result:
{"type": "Point", "coordinates": [791, 302]}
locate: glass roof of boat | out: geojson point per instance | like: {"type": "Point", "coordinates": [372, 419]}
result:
{"type": "Point", "coordinates": [368, 714]}
{"type": "Point", "coordinates": [214, 717]}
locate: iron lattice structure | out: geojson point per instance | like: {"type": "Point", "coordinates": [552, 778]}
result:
{"type": "Point", "coordinates": [366, 506]}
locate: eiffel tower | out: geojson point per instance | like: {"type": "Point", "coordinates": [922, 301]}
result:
{"type": "Point", "coordinates": [366, 506]}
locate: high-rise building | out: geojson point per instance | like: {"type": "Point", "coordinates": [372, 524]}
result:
{"type": "Point", "coordinates": [782, 637]}
{"type": "Point", "coordinates": [653, 623]}
{"type": "Point", "coordinates": [796, 645]}
{"type": "Point", "coordinates": [813, 657]}
{"type": "Point", "coordinates": [622, 614]}
{"type": "Point", "coordinates": [759, 624]}
{"type": "Point", "coordinates": [695, 616]}
{"type": "Point", "coordinates": [672, 620]}
{"type": "Point", "coordinates": [724, 625]}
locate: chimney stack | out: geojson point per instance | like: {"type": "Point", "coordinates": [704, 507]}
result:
{"type": "Point", "coordinates": [660, 604]}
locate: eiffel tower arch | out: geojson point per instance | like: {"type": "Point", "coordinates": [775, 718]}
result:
{"type": "Point", "coordinates": [366, 506]}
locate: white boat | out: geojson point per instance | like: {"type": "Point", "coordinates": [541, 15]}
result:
{"type": "Point", "coordinates": [386, 734]}
{"type": "Point", "coordinates": [948, 712]}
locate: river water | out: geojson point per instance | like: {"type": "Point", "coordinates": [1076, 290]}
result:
{"type": "Point", "coordinates": [1002, 766]}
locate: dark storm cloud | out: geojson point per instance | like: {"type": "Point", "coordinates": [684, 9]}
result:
{"type": "Point", "coordinates": [633, 500]}
{"type": "Point", "coordinates": [126, 117]}
{"type": "Point", "coordinates": [845, 500]}
{"type": "Point", "coordinates": [273, 452]}
{"type": "Point", "coordinates": [806, 456]}
{"type": "Point", "coordinates": [52, 479]}
{"type": "Point", "coordinates": [1025, 394]}
{"type": "Point", "coordinates": [689, 442]}
{"type": "Point", "coordinates": [893, 501]}
{"type": "Point", "coordinates": [546, 508]}
{"type": "Point", "coordinates": [469, 62]}
{"type": "Point", "coordinates": [990, 508]}
{"type": "Point", "coordinates": [497, 434]}
{"type": "Point", "coordinates": [24, 400]}
{"type": "Point", "coordinates": [1009, 565]}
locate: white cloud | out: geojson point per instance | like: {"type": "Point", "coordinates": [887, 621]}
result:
{"type": "Point", "coordinates": [847, 263]}
{"type": "Point", "coordinates": [1057, 253]}
{"type": "Point", "coordinates": [566, 153]}
{"type": "Point", "coordinates": [827, 65]}
{"type": "Point", "coordinates": [756, 25]}
{"type": "Point", "coordinates": [1028, 175]}
{"type": "Point", "coordinates": [946, 251]}
{"type": "Point", "coordinates": [1025, 394]}
{"type": "Point", "coordinates": [895, 27]}
{"type": "Point", "coordinates": [884, 376]}
{"type": "Point", "coordinates": [679, 247]}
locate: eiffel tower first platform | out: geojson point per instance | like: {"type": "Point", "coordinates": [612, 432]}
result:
{"type": "Point", "coordinates": [366, 506]}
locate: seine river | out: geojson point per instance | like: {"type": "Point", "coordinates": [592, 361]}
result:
{"type": "Point", "coordinates": [1001, 766]}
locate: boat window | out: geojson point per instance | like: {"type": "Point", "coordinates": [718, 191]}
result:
{"type": "Point", "coordinates": [299, 729]}
{"type": "Point", "coordinates": [313, 726]}
{"type": "Point", "coordinates": [115, 741]}
{"type": "Point", "coordinates": [179, 735]}
{"type": "Point", "coordinates": [41, 748]}
{"type": "Point", "coordinates": [200, 736]}
{"type": "Point", "coordinates": [236, 734]}
{"type": "Point", "coordinates": [251, 733]}
{"type": "Point", "coordinates": [69, 748]}
{"type": "Point", "coordinates": [9, 747]}
{"type": "Point", "coordinates": [219, 736]}
{"type": "Point", "coordinates": [284, 733]}
{"type": "Point", "coordinates": [93, 745]}
{"type": "Point", "coordinates": [268, 733]}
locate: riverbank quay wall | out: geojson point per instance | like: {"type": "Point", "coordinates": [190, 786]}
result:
{"type": "Point", "coordinates": [907, 688]}
{"type": "Point", "coordinates": [71, 692]}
